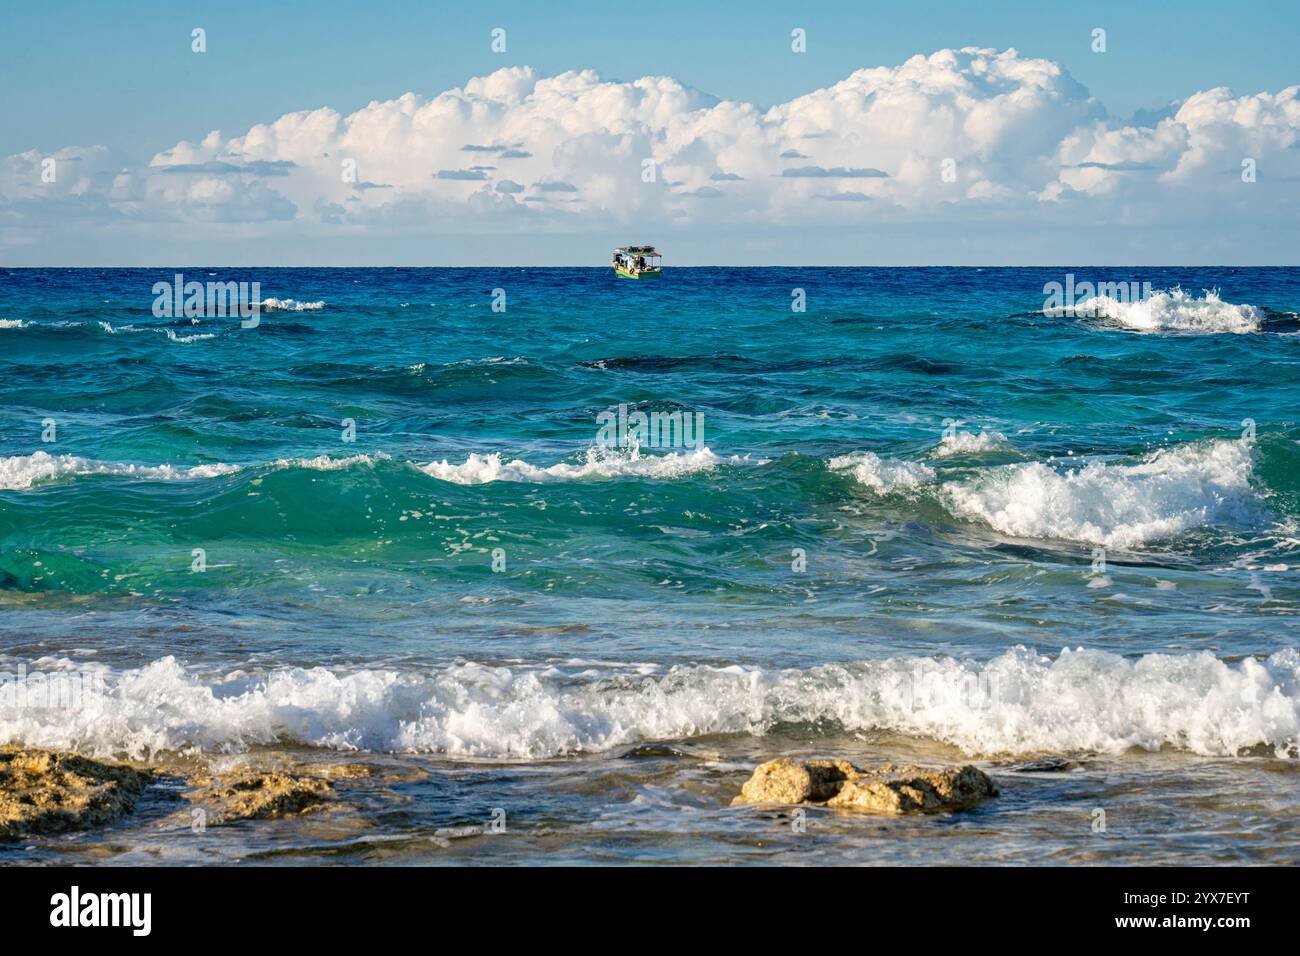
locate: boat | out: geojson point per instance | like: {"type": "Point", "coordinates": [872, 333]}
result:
{"type": "Point", "coordinates": [637, 262]}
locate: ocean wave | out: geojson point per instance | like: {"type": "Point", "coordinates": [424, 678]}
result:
{"type": "Point", "coordinates": [23, 471]}
{"type": "Point", "coordinates": [196, 337]}
{"type": "Point", "coordinates": [288, 305]}
{"type": "Point", "coordinates": [884, 475]}
{"type": "Point", "coordinates": [959, 444]}
{"type": "Point", "coordinates": [1018, 703]}
{"type": "Point", "coordinates": [597, 463]}
{"type": "Point", "coordinates": [109, 329]}
{"type": "Point", "coordinates": [1176, 311]}
{"type": "Point", "coordinates": [171, 334]}
{"type": "Point", "coordinates": [115, 329]}
{"type": "Point", "coordinates": [1168, 493]}
{"type": "Point", "coordinates": [327, 463]}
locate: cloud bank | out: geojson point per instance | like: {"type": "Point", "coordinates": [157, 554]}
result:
{"type": "Point", "coordinates": [960, 139]}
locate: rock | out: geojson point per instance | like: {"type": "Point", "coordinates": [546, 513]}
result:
{"type": "Point", "coordinates": [913, 790]}
{"type": "Point", "coordinates": [1046, 765]}
{"type": "Point", "coordinates": [252, 794]}
{"type": "Point", "coordinates": [795, 781]}
{"type": "Point", "coordinates": [44, 791]}
{"type": "Point", "coordinates": [882, 789]}
{"type": "Point", "coordinates": [345, 771]}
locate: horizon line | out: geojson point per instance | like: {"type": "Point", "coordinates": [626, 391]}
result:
{"type": "Point", "coordinates": [773, 265]}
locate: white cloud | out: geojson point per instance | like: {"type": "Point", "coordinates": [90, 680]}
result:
{"type": "Point", "coordinates": [516, 151]}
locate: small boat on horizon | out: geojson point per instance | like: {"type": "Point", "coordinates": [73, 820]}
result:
{"type": "Point", "coordinates": [637, 262]}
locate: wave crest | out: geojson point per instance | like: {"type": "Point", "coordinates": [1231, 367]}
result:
{"type": "Point", "coordinates": [23, 471]}
{"type": "Point", "coordinates": [1017, 703]}
{"type": "Point", "coordinates": [1118, 505]}
{"type": "Point", "coordinates": [289, 305]}
{"type": "Point", "coordinates": [884, 475]}
{"type": "Point", "coordinates": [1176, 311]}
{"type": "Point", "coordinates": [1171, 491]}
{"type": "Point", "coordinates": [960, 444]}
{"type": "Point", "coordinates": [597, 463]}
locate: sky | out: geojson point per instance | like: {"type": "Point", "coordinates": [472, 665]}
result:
{"type": "Point", "coordinates": [887, 141]}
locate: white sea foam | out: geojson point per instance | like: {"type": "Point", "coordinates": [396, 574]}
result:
{"type": "Point", "coordinates": [1116, 504]}
{"type": "Point", "coordinates": [326, 463]}
{"type": "Point", "coordinates": [12, 324]}
{"type": "Point", "coordinates": [1176, 311]}
{"type": "Point", "coordinates": [1018, 703]}
{"type": "Point", "coordinates": [961, 443]}
{"type": "Point", "coordinates": [597, 463]}
{"type": "Point", "coordinates": [116, 329]}
{"type": "Point", "coordinates": [196, 337]}
{"type": "Point", "coordinates": [1170, 492]}
{"type": "Point", "coordinates": [171, 334]}
{"type": "Point", "coordinates": [884, 475]}
{"type": "Point", "coordinates": [23, 471]}
{"type": "Point", "coordinates": [289, 305]}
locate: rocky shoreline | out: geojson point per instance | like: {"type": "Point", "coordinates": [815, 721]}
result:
{"type": "Point", "coordinates": [45, 792]}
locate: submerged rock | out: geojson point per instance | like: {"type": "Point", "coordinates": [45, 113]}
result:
{"type": "Point", "coordinates": [252, 794]}
{"type": "Point", "coordinates": [882, 789]}
{"type": "Point", "coordinates": [1046, 765]}
{"type": "Point", "coordinates": [44, 791]}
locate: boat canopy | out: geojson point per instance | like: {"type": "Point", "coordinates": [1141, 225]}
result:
{"type": "Point", "coordinates": [638, 250]}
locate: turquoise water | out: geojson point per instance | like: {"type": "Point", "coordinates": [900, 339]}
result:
{"type": "Point", "coordinates": [926, 519]}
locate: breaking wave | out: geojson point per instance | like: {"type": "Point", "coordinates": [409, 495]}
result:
{"type": "Point", "coordinates": [196, 337]}
{"type": "Point", "coordinates": [1167, 493]}
{"type": "Point", "coordinates": [23, 471]}
{"type": "Point", "coordinates": [1176, 311]}
{"type": "Point", "coordinates": [884, 475]}
{"type": "Point", "coordinates": [960, 443]}
{"type": "Point", "coordinates": [1017, 703]}
{"type": "Point", "coordinates": [597, 463]}
{"type": "Point", "coordinates": [1171, 491]}
{"type": "Point", "coordinates": [328, 463]}
{"type": "Point", "coordinates": [289, 305]}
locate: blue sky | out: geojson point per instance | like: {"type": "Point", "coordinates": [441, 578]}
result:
{"type": "Point", "coordinates": [121, 75]}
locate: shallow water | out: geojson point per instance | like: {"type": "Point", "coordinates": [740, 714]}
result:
{"type": "Point", "coordinates": [973, 487]}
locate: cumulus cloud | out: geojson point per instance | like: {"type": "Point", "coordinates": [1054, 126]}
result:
{"type": "Point", "coordinates": [971, 132]}
{"type": "Point", "coordinates": [1201, 146]}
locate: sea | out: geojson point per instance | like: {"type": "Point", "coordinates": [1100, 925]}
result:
{"type": "Point", "coordinates": [563, 556]}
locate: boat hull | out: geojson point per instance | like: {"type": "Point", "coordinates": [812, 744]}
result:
{"type": "Point", "coordinates": [648, 274]}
